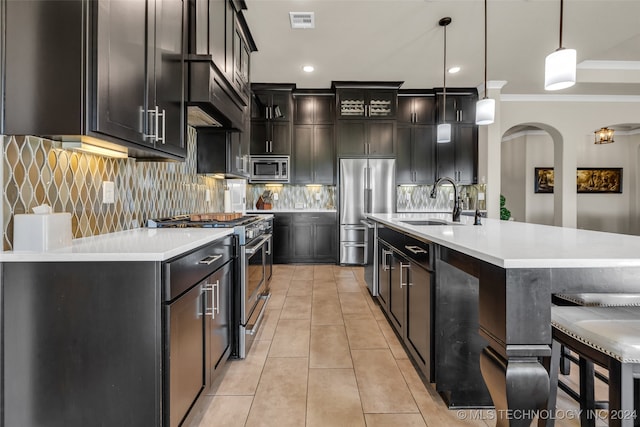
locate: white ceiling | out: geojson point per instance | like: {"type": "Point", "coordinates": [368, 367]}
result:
{"type": "Point", "coordinates": [400, 40]}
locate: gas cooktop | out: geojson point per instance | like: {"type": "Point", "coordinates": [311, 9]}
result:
{"type": "Point", "coordinates": [203, 221]}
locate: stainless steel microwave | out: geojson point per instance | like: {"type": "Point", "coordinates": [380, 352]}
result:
{"type": "Point", "coordinates": [269, 169]}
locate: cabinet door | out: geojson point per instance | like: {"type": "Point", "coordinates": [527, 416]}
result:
{"type": "Point", "coordinates": [424, 109]}
{"type": "Point", "coordinates": [303, 152]}
{"type": "Point", "coordinates": [324, 109]}
{"type": "Point", "coordinates": [325, 242]}
{"type": "Point", "coordinates": [169, 74]}
{"type": "Point", "coordinates": [280, 138]}
{"type": "Point", "coordinates": [219, 313]}
{"type": "Point", "coordinates": [282, 238]}
{"type": "Point", "coordinates": [351, 137]}
{"type": "Point", "coordinates": [186, 328]}
{"type": "Point", "coordinates": [381, 138]}
{"type": "Point", "coordinates": [419, 311]}
{"type": "Point", "coordinates": [281, 107]}
{"type": "Point", "coordinates": [381, 103]}
{"type": "Point", "coordinates": [260, 104]}
{"type": "Point", "coordinates": [466, 143]}
{"type": "Point", "coordinates": [304, 109]}
{"type": "Point", "coordinates": [445, 156]}
{"type": "Point", "coordinates": [404, 169]}
{"type": "Point", "coordinates": [120, 68]}
{"type": "Point", "coordinates": [465, 108]}
{"type": "Point", "coordinates": [423, 154]}
{"type": "Point", "coordinates": [384, 274]}
{"type": "Point", "coordinates": [323, 155]}
{"type": "Point", "coordinates": [302, 238]}
{"type": "Point", "coordinates": [405, 109]}
{"type": "Point", "coordinates": [396, 291]}
{"type": "Point", "coordinates": [259, 137]}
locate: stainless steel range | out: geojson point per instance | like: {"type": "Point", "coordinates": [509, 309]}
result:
{"type": "Point", "coordinates": [254, 237]}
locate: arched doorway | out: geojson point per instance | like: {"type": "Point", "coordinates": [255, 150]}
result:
{"type": "Point", "coordinates": [527, 172]}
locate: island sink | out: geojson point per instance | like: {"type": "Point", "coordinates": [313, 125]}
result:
{"type": "Point", "coordinates": [429, 222]}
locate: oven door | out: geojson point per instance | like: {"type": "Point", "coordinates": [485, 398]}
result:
{"type": "Point", "coordinates": [254, 291]}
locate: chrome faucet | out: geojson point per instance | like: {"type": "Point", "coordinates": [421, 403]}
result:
{"type": "Point", "coordinates": [456, 198]}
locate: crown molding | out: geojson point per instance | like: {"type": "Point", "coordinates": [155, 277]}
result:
{"type": "Point", "coordinates": [568, 98]}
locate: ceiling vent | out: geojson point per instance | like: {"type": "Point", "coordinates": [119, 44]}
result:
{"type": "Point", "coordinates": [302, 19]}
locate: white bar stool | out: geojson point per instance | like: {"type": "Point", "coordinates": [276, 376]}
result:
{"type": "Point", "coordinates": [609, 337]}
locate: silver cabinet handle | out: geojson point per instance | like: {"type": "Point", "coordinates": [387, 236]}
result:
{"type": "Point", "coordinates": [385, 254]}
{"type": "Point", "coordinates": [217, 306]}
{"type": "Point", "coordinates": [210, 259]}
{"type": "Point", "coordinates": [407, 266]}
{"type": "Point", "coordinates": [266, 146]}
{"type": "Point", "coordinates": [164, 127]}
{"type": "Point", "coordinates": [208, 287]}
{"type": "Point", "coordinates": [415, 250]}
{"type": "Point", "coordinates": [152, 116]}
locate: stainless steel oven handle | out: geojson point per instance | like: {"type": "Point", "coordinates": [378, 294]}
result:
{"type": "Point", "coordinates": [256, 325]}
{"type": "Point", "coordinates": [367, 223]}
{"type": "Point", "coordinates": [269, 244]}
{"type": "Point", "coordinates": [210, 259]}
{"type": "Point", "coordinates": [250, 250]}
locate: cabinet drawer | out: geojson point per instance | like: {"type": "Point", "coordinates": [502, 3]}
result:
{"type": "Point", "coordinates": [315, 218]}
{"type": "Point", "coordinates": [187, 270]}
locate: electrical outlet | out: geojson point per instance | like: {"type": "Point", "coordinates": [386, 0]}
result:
{"type": "Point", "coordinates": [275, 196]}
{"type": "Point", "coordinates": [480, 196]}
{"type": "Point", "coordinates": [450, 196]}
{"type": "Point", "coordinates": [318, 196]}
{"type": "Point", "coordinates": [207, 195]}
{"type": "Point", "coordinates": [108, 192]}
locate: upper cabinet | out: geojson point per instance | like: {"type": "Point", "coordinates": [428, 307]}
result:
{"type": "Point", "coordinates": [357, 100]}
{"type": "Point", "coordinates": [129, 91]}
{"type": "Point", "coordinates": [314, 108]}
{"type": "Point", "coordinates": [461, 105]}
{"type": "Point", "coordinates": [220, 50]}
{"type": "Point", "coordinates": [416, 107]}
{"type": "Point", "coordinates": [271, 126]}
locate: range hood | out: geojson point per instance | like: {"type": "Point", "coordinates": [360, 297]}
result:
{"type": "Point", "coordinates": [211, 100]}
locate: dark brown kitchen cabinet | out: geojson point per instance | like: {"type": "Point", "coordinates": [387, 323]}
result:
{"type": "Point", "coordinates": [146, 337]}
{"type": "Point", "coordinates": [416, 108]}
{"type": "Point", "coordinates": [222, 152]}
{"type": "Point", "coordinates": [415, 154]}
{"type": "Point", "coordinates": [271, 122]}
{"type": "Point", "coordinates": [366, 138]}
{"type": "Point", "coordinates": [314, 109]}
{"type": "Point", "coordinates": [313, 155]}
{"type": "Point", "coordinates": [129, 91]}
{"type": "Point", "coordinates": [356, 103]}
{"type": "Point", "coordinates": [461, 105]}
{"type": "Point", "coordinates": [305, 237]}
{"type": "Point", "coordinates": [458, 159]}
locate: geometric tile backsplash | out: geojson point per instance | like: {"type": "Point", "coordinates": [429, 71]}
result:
{"type": "Point", "coordinates": [37, 171]}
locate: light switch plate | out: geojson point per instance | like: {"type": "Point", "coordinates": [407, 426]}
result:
{"type": "Point", "coordinates": [108, 192]}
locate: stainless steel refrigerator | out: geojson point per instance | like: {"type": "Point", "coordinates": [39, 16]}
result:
{"type": "Point", "coordinates": [366, 186]}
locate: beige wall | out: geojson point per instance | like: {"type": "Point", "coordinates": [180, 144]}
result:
{"type": "Point", "coordinates": [571, 121]}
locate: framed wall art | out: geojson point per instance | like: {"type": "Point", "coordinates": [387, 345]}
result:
{"type": "Point", "coordinates": [588, 180]}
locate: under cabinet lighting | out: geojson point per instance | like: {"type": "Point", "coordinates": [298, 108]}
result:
{"type": "Point", "coordinates": [86, 147]}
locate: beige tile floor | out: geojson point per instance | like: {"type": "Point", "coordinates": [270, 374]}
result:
{"type": "Point", "coordinates": [326, 356]}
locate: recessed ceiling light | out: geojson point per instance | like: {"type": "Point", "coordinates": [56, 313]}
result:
{"type": "Point", "coordinates": [453, 70]}
{"type": "Point", "coordinates": [308, 68]}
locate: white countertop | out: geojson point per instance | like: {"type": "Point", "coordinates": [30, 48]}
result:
{"type": "Point", "coordinates": [274, 211]}
{"type": "Point", "coordinates": [140, 244]}
{"type": "Point", "coordinates": [512, 244]}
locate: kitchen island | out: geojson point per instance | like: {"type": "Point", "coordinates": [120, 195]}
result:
{"type": "Point", "coordinates": [126, 328]}
{"type": "Point", "coordinates": [515, 268]}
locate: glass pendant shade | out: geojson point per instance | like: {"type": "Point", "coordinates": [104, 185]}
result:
{"type": "Point", "coordinates": [444, 132]}
{"type": "Point", "coordinates": [485, 111]}
{"type": "Point", "coordinates": [560, 69]}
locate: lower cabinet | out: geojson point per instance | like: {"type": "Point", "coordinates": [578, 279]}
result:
{"type": "Point", "coordinates": [406, 288]}
{"type": "Point", "coordinates": [133, 343]}
{"type": "Point", "coordinates": [305, 238]}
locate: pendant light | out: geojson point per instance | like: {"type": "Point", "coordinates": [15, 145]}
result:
{"type": "Point", "coordinates": [560, 66]}
{"type": "Point", "coordinates": [486, 107]}
{"type": "Point", "coordinates": [444, 128]}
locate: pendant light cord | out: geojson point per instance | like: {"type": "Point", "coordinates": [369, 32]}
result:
{"type": "Point", "coordinates": [485, 49]}
{"type": "Point", "coordinates": [444, 77]}
{"type": "Point", "coordinates": [561, 15]}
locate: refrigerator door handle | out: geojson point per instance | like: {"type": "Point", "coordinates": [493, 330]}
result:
{"type": "Point", "coordinates": [354, 227]}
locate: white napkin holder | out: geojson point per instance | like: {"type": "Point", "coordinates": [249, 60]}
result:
{"type": "Point", "coordinates": [39, 232]}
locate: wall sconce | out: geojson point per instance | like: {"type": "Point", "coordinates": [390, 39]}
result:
{"type": "Point", "coordinates": [604, 136]}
